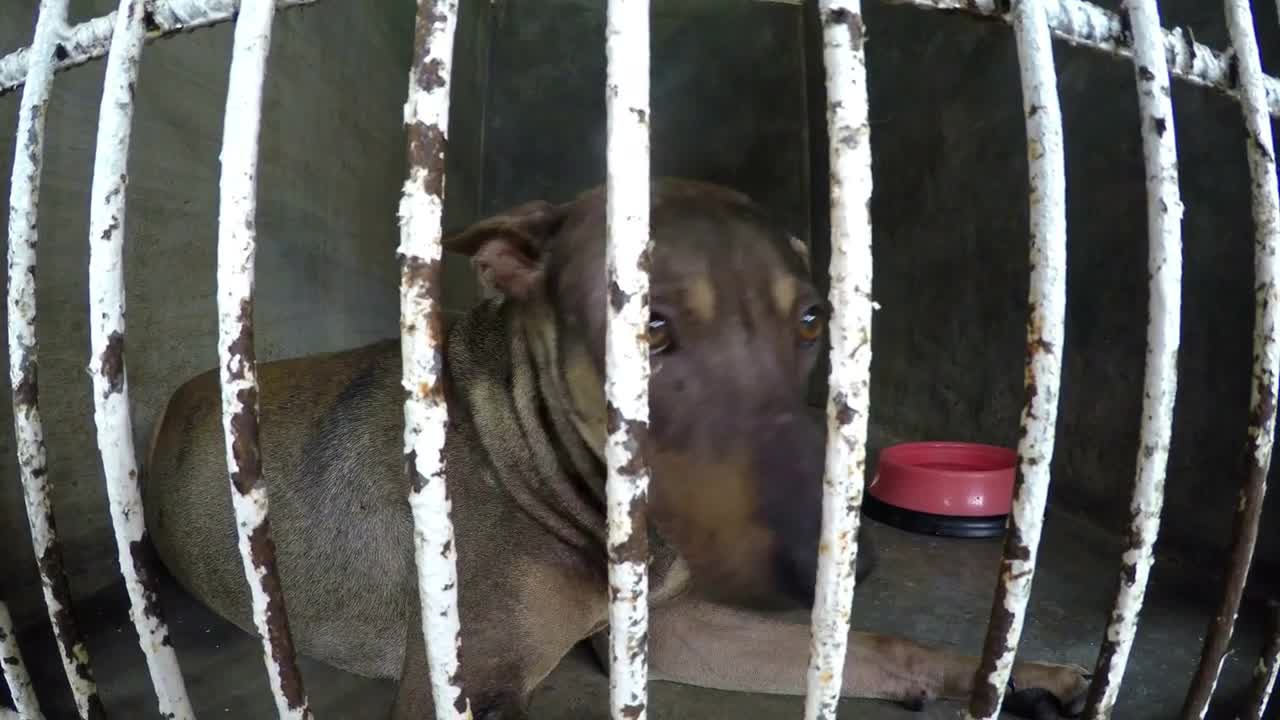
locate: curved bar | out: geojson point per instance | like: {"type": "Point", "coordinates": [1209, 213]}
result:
{"type": "Point", "coordinates": [107, 364]}
{"type": "Point", "coordinates": [24, 212]}
{"type": "Point", "coordinates": [1084, 24]}
{"type": "Point", "coordinates": [627, 354]}
{"type": "Point", "coordinates": [1266, 356]}
{"type": "Point", "coordinates": [15, 671]}
{"type": "Point", "coordinates": [89, 40]}
{"type": "Point", "coordinates": [1164, 309]}
{"type": "Point", "coordinates": [848, 396]}
{"type": "Point", "coordinates": [1264, 676]}
{"type": "Point", "coordinates": [1044, 355]}
{"type": "Point", "coordinates": [426, 413]}
{"type": "Point", "coordinates": [237, 359]}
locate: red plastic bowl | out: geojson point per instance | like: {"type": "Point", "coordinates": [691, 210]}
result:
{"type": "Point", "coordinates": [952, 479]}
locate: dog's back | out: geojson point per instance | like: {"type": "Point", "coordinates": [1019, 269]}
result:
{"type": "Point", "coordinates": [330, 479]}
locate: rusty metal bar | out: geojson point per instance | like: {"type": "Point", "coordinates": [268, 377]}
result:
{"type": "Point", "coordinates": [848, 398]}
{"type": "Point", "coordinates": [627, 354]}
{"type": "Point", "coordinates": [425, 410]}
{"type": "Point", "coordinates": [89, 40]}
{"type": "Point", "coordinates": [237, 357]}
{"type": "Point", "coordinates": [107, 363]}
{"type": "Point", "coordinates": [15, 671]}
{"type": "Point", "coordinates": [1084, 24]}
{"type": "Point", "coordinates": [1266, 355]}
{"type": "Point", "coordinates": [1045, 332]}
{"type": "Point", "coordinates": [24, 204]}
{"type": "Point", "coordinates": [1164, 305]}
{"type": "Point", "coordinates": [1264, 675]}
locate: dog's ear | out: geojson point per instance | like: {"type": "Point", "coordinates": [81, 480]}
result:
{"type": "Point", "coordinates": [507, 248]}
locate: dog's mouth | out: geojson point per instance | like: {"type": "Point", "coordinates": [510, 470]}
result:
{"type": "Point", "coordinates": [799, 574]}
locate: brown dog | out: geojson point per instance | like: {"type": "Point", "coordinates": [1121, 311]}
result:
{"type": "Point", "coordinates": [737, 461]}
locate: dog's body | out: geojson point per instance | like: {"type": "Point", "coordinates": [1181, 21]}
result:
{"type": "Point", "coordinates": [735, 497]}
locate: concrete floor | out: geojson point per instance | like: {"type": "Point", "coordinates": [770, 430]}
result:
{"type": "Point", "coordinates": [933, 589]}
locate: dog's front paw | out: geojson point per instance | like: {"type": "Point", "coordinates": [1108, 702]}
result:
{"type": "Point", "coordinates": [1047, 691]}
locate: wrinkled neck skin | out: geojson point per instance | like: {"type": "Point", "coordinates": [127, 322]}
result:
{"type": "Point", "coordinates": [544, 427]}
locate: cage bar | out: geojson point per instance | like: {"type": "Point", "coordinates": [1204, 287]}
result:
{"type": "Point", "coordinates": [89, 40]}
{"type": "Point", "coordinates": [15, 671]}
{"type": "Point", "coordinates": [107, 363]}
{"type": "Point", "coordinates": [1045, 332]}
{"type": "Point", "coordinates": [1085, 24]}
{"type": "Point", "coordinates": [237, 357]}
{"type": "Point", "coordinates": [1266, 356]}
{"type": "Point", "coordinates": [848, 397]}
{"type": "Point", "coordinates": [1264, 675]}
{"type": "Point", "coordinates": [425, 411]}
{"type": "Point", "coordinates": [1164, 306]}
{"type": "Point", "coordinates": [627, 353]}
{"type": "Point", "coordinates": [24, 204]}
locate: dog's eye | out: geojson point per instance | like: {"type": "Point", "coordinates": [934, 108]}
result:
{"type": "Point", "coordinates": [659, 334]}
{"type": "Point", "coordinates": [812, 324]}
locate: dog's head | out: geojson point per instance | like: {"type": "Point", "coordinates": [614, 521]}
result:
{"type": "Point", "coordinates": [736, 328]}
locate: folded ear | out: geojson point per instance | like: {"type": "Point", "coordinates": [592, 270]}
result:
{"type": "Point", "coordinates": [507, 248]}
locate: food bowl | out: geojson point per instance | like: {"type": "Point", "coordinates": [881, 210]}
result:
{"type": "Point", "coordinates": [953, 489]}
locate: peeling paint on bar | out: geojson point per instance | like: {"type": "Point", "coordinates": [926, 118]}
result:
{"type": "Point", "coordinates": [848, 399]}
{"type": "Point", "coordinates": [627, 354]}
{"type": "Point", "coordinates": [24, 204]}
{"type": "Point", "coordinates": [1264, 675]}
{"type": "Point", "coordinates": [107, 364]}
{"type": "Point", "coordinates": [1086, 25]}
{"type": "Point", "coordinates": [421, 331]}
{"type": "Point", "coordinates": [15, 671]}
{"type": "Point", "coordinates": [1266, 356]}
{"type": "Point", "coordinates": [89, 40]}
{"type": "Point", "coordinates": [1164, 304]}
{"type": "Point", "coordinates": [237, 358]}
{"type": "Point", "coordinates": [1047, 199]}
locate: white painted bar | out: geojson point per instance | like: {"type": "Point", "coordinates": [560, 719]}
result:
{"type": "Point", "coordinates": [627, 354]}
{"type": "Point", "coordinates": [425, 410]}
{"type": "Point", "coordinates": [1264, 675]}
{"type": "Point", "coordinates": [848, 396]}
{"type": "Point", "coordinates": [1164, 309]}
{"type": "Point", "coordinates": [237, 359]}
{"type": "Point", "coordinates": [1045, 334]}
{"type": "Point", "coordinates": [24, 205]}
{"type": "Point", "coordinates": [1266, 354]}
{"type": "Point", "coordinates": [1084, 24]}
{"type": "Point", "coordinates": [89, 40]}
{"type": "Point", "coordinates": [15, 670]}
{"type": "Point", "coordinates": [107, 364]}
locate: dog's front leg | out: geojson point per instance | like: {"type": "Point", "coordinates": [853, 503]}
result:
{"type": "Point", "coordinates": [695, 642]}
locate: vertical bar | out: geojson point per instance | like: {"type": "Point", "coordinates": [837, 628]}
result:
{"type": "Point", "coordinates": [107, 363]}
{"type": "Point", "coordinates": [15, 671]}
{"type": "Point", "coordinates": [1164, 303]}
{"type": "Point", "coordinates": [1266, 355]}
{"type": "Point", "coordinates": [24, 205]}
{"type": "Point", "coordinates": [238, 359]}
{"type": "Point", "coordinates": [848, 393]}
{"type": "Point", "coordinates": [1264, 676]}
{"type": "Point", "coordinates": [627, 353]}
{"type": "Point", "coordinates": [1045, 334]}
{"type": "Point", "coordinates": [426, 413]}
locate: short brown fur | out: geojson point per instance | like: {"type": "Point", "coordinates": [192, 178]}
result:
{"type": "Point", "coordinates": [736, 458]}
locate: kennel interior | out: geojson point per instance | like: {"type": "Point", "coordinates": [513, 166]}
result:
{"type": "Point", "coordinates": [737, 98]}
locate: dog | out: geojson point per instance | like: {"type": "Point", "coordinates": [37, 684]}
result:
{"type": "Point", "coordinates": [736, 456]}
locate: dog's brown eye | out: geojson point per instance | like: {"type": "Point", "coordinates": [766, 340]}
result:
{"type": "Point", "coordinates": [812, 323]}
{"type": "Point", "coordinates": [659, 334]}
